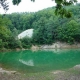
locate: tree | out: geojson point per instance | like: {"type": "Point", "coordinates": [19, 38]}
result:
{"type": "Point", "coordinates": [26, 42]}
{"type": "Point", "coordinates": [60, 6]}
{"type": "Point", "coordinates": [4, 4]}
{"type": "Point", "coordinates": [69, 32]}
{"type": "Point", "coordinates": [4, 36]}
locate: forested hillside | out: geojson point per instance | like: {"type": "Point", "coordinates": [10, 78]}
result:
{"type": "Point", "coordinates": [48, 28]}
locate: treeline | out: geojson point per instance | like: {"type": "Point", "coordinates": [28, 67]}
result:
{"type": "Point", "coordinates": [48, 28]}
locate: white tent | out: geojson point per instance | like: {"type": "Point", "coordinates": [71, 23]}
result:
{"type": "Point", "coordinates": [26, 33]}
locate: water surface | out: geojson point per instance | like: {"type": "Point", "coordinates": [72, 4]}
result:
{"type": "Point", "coordinates": [42, 60]}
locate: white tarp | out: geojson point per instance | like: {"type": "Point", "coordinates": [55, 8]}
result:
{"type": "Point", "coordinates": [28, 33]}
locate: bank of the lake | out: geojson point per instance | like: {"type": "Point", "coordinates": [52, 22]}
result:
{"type": "Point", "coordinates": [57, 45]}
{"type": "Point", "coordinates": [70, 74]}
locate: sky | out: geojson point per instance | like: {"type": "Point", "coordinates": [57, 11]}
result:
{"type": "Point", "coordinates": [29, 6]}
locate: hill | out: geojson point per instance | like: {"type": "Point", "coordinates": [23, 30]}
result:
{"type": "Point", "coordinates": [48, 27]}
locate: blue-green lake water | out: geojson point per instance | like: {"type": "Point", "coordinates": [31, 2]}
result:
{"type": "Point", "coordinates": [38, 61]}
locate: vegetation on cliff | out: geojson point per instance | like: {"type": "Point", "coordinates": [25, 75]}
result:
{"type": "Point", "coordinates": [48, 28]}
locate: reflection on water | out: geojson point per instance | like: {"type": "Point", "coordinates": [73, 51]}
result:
{"type": "Point", "coordinates": [42, 60]}
{"type": "Point", "coordinates": [28, 63]}
{"type": "Point", "coordinates": [57, 51]}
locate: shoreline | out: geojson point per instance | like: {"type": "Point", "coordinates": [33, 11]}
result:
{"type": "Point", "coordinates": [56, 45]}
{"type": "Point", "coordinates": [69, 74]}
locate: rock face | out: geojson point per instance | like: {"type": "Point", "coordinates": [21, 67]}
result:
{"type": "Point", "coordinates": [34, 48]}
{"type": "Point", "coordinates": [59, 45]}
{"type": "Point", "coordinates": [26, 33]}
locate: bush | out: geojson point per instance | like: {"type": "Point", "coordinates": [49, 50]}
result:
{"type": "Point", "coordinates": [26, 42]}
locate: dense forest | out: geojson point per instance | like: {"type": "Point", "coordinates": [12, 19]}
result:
{"type": "Point", "coordinates": [48, 28]}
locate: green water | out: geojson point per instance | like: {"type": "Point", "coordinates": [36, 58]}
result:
{"type": "Point", "coordinates": [42, 60]}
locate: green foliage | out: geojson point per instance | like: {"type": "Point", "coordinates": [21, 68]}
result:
{"type": "Point", "coordinates": [60, 4]}
{"type": "Point", "coordinates": [14, 43]}
{"type": "Point", "coordinates": [26, 42]}
{"type": "Point", "coordinates": [1, 43]}
{"type": "Point", "coordinates": [67, 32]}
{"type": "Point", "coordinates": [21, 21]}
{"type": "Point", "coordinates": [4, 36]}
{"type": "Point", "coordinates": [16, 2]}
{"type": "Point", "coordinates": [44, 30]}
{"type": "Point", "coordinates": [4, 33]}
{"type": "Point", "coordinates": [48, 28]}
{"type": "Point", "coordinates": [4, 4]}
{"type": "Point", "coordinates": [61, 7]}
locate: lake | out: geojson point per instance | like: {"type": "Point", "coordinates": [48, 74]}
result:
{"type": "Point", "coordinates": [37, 61]}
